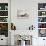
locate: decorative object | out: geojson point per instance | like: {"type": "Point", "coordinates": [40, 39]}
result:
{"type": "Point", "coordinates": [41, 19]}
{"type": "Point", "coordinates": [22, 43]}
{"type": "Point", "coordinates": [27, 38]}
{"type": "Point", "coordinates": [42, 32]}
{"type": "Point", "coordinates": [22, 13]}
{"type": "Point", "coordinates": [31, 27]}
{"type": "Point", "coordinates": [3, 6]}
{"type": "Point", "coordinates": [3, 13]}
{"type": "Point", "coordinates": [3, 19]}
{"type": "Point", "coordinates": [4, 29]}
{"type": "Point", "coordinates": [41, 6]}
{"type": "Point", "coordinates": [43, 13]}
{"type": "Point", "coordinates": [42, 25]}
{"type": "Point", "coordinates": [23, 40]}
{"type": "Point", "coordinates": [4, 26]}
{"type": "Point", "coordinates": [13, 27]}
{"type": "Point", "coordinates": [6, 7]}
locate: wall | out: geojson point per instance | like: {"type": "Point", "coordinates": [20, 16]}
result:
{"type": "Point", "coordinates": [23, 24]}
{"type": "Point", "coordinates": [31, 6]}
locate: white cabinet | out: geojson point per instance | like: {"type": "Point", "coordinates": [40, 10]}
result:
{"type": "Point", "coordinates": [3, 40]}
{"type": "Point", "coordinates": [42, 19]}
{"type": "Point", "coordinates": [41, 41]}
{"type": "Point", "coordinates": [4, 21]}
{"type": "Point", "coordinates": [42, 24]}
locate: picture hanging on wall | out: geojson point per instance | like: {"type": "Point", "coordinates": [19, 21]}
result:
{"type": "Point", "coordinates": [22, 13]}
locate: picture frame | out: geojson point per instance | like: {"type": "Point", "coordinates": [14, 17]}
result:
{"type": "Point", "coordinates": [22, 13]}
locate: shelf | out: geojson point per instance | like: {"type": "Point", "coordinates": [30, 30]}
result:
{"type": "Point", "coordinates": [42, 16]}
{"type": "Point", "coordinates": [41, 10]}
{"type": "Point", "coordinates": [4, 19]}
{"type": "Point", "coordinates": [41, 22]}
{"type": "Point", "coordinates": [3, 16]}
{"type": "Point", "coordinates": [3, 10]}
{"type": "Point", "coordinates": [3, 22]}
{"type": "Point", "coordinates": [41, 28]}
{"type": "Point", "coordinates": [42, 19]}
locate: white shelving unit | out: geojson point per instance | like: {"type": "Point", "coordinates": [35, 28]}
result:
{"type": "Point", "coordinates": [42, 18]}
{"type": "Point", "coordinates": [41, 22]}
{"type": "Point", "coordinates": [41, 28]}
{"type": "Point", "coordinates": [5, 40]}
{"type": "Point", "coordinates": [4, 17]}
{"type": "Point", "coordinates": [3, 10]}
{"type": "Point", "coordinates": [42, 10]}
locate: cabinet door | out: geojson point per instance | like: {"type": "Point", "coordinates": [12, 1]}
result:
{"type": "Point", "coordinates": [41, 42]}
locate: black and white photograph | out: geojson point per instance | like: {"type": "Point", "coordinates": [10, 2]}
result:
{"type": "Point", "coordinates": [22, 13]}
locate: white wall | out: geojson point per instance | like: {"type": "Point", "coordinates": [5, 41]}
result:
{"type": "Point", "coordinates": [31, 6]}
{"type": "Point", "coordinates": [23, 24]}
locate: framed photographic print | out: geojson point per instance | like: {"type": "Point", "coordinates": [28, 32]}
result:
{"type": "Point", "coordinates": [22, 13]}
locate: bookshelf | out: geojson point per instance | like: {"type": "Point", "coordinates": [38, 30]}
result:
{"type": "Point", "coordinates": [42, 19]}
{"type": "Point", "coordinates": [4, 19]}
